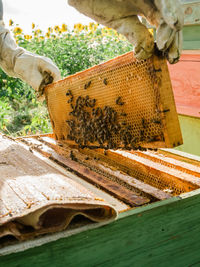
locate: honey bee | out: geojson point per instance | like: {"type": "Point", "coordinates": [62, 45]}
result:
{"type": "Point", "coordinates": [166, 110]}
{"type": "Point", "coordinates": [157, 70]}
{"type": "Point", "coordinates": [142, 148]}
{"type": "Point", "coordinates": [68, 93]}
{"type": "Point", "coordinates": [119, 101]}
{"type": "Point", "coordinates": [144, 123]}
{"type": "Point", "coordinates": [70, 100]}
{"type": "Point", "coordinates": [72, 156]}
{"type": "Point", "coordinates": [156, 121]}
{"type": "Point", "coordinates": [105, 81]}
{"type": "Point", "coordinates": [92, 103]}
{"type": "Point", "coordinates": [87, 85]}
{"type": "Point", "coordinates": [105, 152]}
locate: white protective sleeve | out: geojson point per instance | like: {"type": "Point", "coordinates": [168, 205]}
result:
{"type": "Point", "coordinates": [17, 62]}
{"type": "Point", "coordinates": [122, 15]}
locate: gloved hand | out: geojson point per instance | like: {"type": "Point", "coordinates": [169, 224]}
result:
{"type": "Point", "coordinates": [36, 70]}
{"type": "Point", "coordinates": [169, 24]}
{"type": "Point", "coordinates": [122, 15]}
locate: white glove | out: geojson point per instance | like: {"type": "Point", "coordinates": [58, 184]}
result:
{"type": "Point", "coordinates": [166, 15]}
{"type": "Point", "coordinates": [36, 70]}
{"type": "Point", "coordinates": [169, 25]}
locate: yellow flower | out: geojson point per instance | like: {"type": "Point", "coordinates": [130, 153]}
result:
{"type": "Point", "coordinates": [17, 30]}
{"type": "Point", "coordinates": [11, 22]}
{"type": "Point", "coordinates": [33, 25]}
{"type": "Point", "coordinates": [115, 33]}
{"type": "Point", "coordinates": [50, 30]}
{"type": "Point", "coordinates": [64, 27]}
{"type": "Point", "coordinates": [79, 27]}
{"type": "Point", "coordinates": [56, 28]}
{"type": "Point", "coordinates": [37, 32]}
{"type": "Point", "coordinates": [104, 31]}
{"type": "Point", "coordinates": [91, 25]}
{"type": "Point", "coordinates": [27, 36]}
{"type": "Point", "coordinates": [47, 34]}
{"type": "Point", "coordinates": [107, 28]}
{"type": "Point", "coordinates": [95, 26]}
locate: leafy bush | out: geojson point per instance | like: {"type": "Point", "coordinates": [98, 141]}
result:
{"type": "Point", "coordinates": [72, 51]}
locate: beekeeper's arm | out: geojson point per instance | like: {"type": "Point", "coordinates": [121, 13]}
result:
{"type": "Point", "coordinates": [17, 62]}
{"type": "Point", "coordinates": [122, 15]}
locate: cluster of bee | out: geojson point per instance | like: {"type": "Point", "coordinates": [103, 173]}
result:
{"type": "Point", "coordinates": [90, 124]}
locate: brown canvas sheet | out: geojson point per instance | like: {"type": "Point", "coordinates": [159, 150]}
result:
{"type": "Point", "coordinates": [36, 199]}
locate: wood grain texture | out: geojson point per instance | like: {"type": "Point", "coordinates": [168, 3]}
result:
{"type": "Point", "coordinates": [166, 105]}
{"type": "Point", "coordinates": [107, 167]}
{"type": "Point", "coordinates": [162, 234]}
{"type": "Point", "coordinates": [128, 196]}
{"type": "Point", "coordinates": [186, 83]}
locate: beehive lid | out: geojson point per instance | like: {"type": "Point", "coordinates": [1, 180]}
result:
{"type": "Point", "coordinates": [122, 103]}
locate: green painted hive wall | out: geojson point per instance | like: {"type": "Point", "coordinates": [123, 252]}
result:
{"type": "Point", "coordinates": [190, 128]}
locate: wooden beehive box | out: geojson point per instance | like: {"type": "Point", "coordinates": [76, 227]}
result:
{"type": "Point", "coordinates": [155, 193]}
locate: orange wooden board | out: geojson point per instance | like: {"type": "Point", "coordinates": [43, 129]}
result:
{"type": "Point", "coordinates": [185, 78]}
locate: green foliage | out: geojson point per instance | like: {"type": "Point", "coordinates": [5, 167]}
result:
{"type": "Point", "coordinates": [72, 51]}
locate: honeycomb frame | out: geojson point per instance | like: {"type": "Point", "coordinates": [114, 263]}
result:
{"type": "Point", "coordinates": [143, 86]}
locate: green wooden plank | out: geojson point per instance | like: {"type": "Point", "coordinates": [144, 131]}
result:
{"type": "Point", "coordinates": [191, 37]}
{"type": "Point", "coordinates": [191, 45]}
{"type": "Point", "coordinates": [191, 33]}
{"type": "Point", "coordinates": [190, 128]}
{"type": "Point", "coordinates": [166, 235]}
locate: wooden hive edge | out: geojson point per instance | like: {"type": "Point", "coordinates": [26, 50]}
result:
{"type": "Point", "coordinates": [172, 131]}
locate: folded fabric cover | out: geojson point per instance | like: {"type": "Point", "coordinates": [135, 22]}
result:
{"type": "Point", "coordinates": [36, 199]}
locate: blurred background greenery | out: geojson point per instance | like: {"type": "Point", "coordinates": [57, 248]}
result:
{"type": "Point", "coordinates": [72, 50]}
